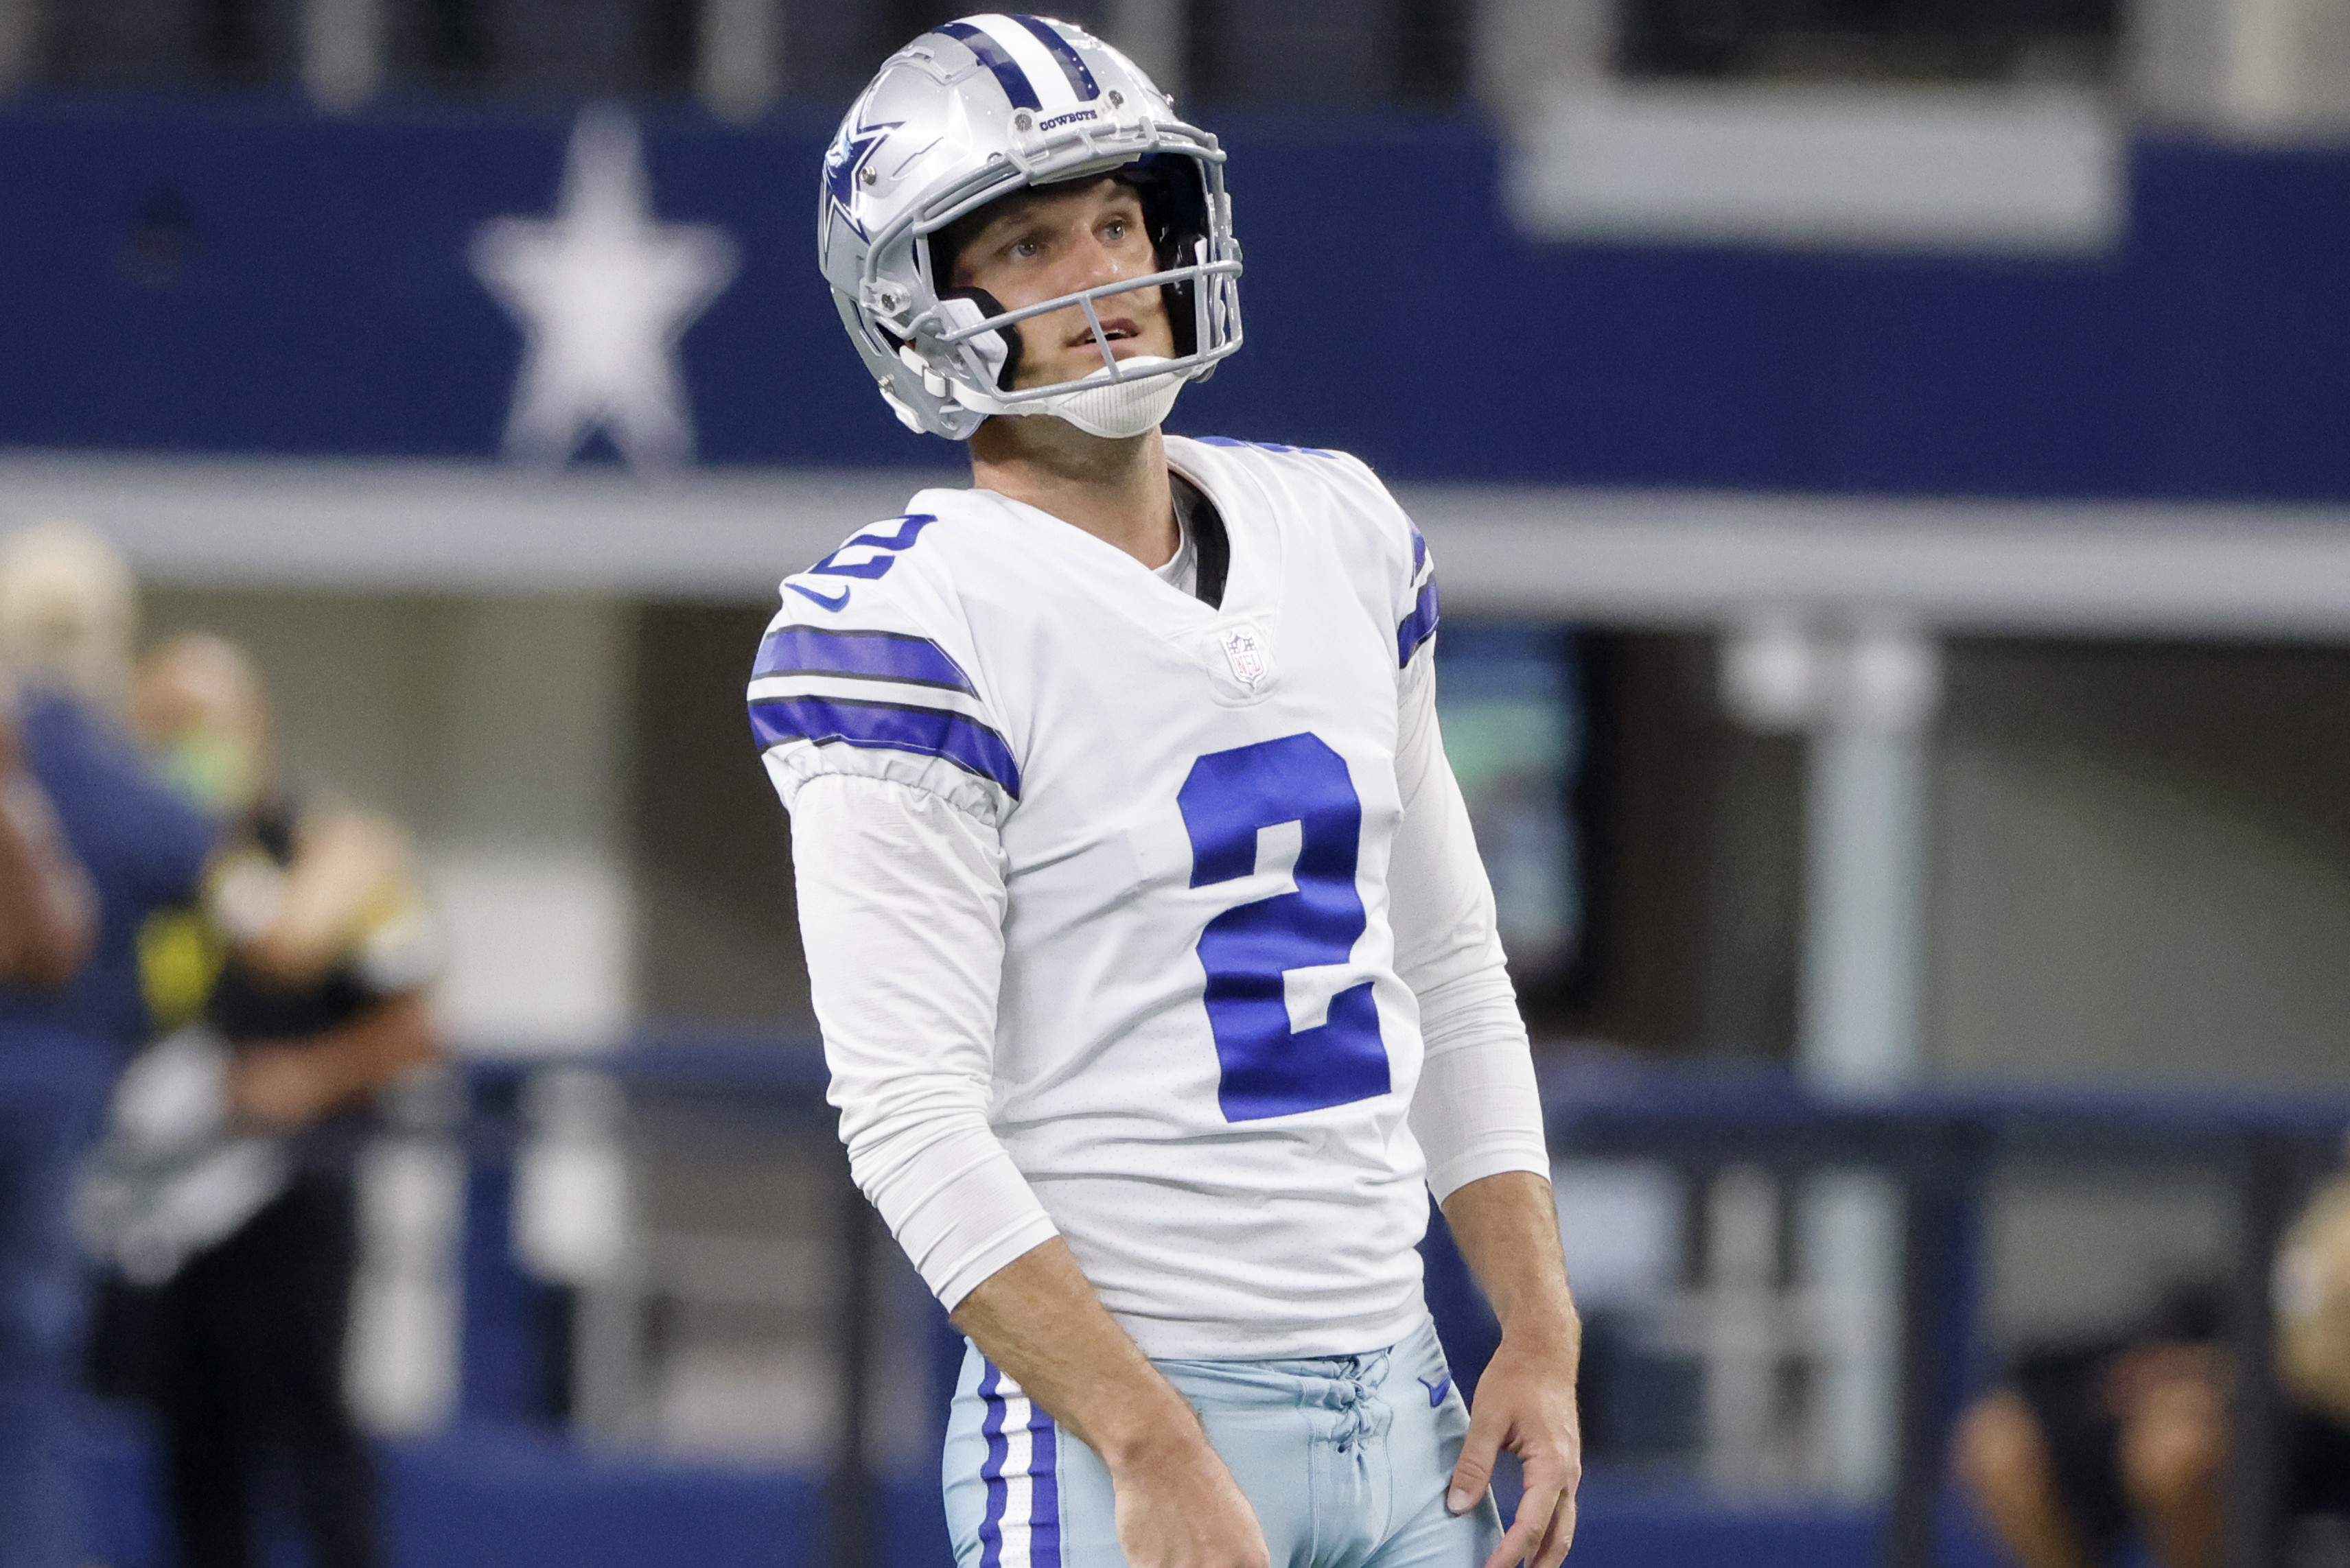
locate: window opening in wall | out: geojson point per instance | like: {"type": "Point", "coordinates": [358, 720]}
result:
{"type": "Point", "coordinates": [900, 22]}
{"type": "Point", "coordinates": [1888, 40]}
{"type": "Point", "coordinates": [112, 44]}
{"type": "Point", "coordinates": [1206, 72]}
{"type": "Point", "coordinates": [1362, 52]}
{"type": "Point", "coordinates": [1351, 53]}
{"type": "Point", "coordinates": [232, 45]}
{"type": "Point", "coordinates": [1432, 52]}
{"type": "Point", "coordinates": [447, 42]}
{"type": "Point", "coordinates": [669, 44]}
{"type": "Point", "coordinates": [896, 22]}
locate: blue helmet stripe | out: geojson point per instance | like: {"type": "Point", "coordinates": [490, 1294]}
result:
{"type": "Point", "coordinates": [890, 727]}
{"type": "Point", "coordinates": [1016, 82]}
{"type": "Point", "coordinates": [1073, 65]}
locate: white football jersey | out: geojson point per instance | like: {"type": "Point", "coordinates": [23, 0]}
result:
{"type": "Point", "coordinates": [1204, 1059]}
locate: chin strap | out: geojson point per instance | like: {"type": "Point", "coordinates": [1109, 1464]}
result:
{"type": "Point", "coordinates": [1118, 409]}
{"type": "Point", "coordinates": [1097, 405]}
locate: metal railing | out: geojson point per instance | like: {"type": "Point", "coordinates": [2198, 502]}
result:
{"type": "Point", "coordinates": [1935, 1150]}
{"type": "Point", "coordinates": [1939, 1149]}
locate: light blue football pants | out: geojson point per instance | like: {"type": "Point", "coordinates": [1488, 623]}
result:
{"type": "Point", "coordinates": [1344, 1458]}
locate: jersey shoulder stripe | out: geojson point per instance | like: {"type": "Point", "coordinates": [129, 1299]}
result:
{"type": "Point", "coordinates": [858, 655]}
{"type": "Point", "coordinates": [1418, 626]}
{"type": "Point", "coordinates": [1236, 444]}
{"type": "Point", "coordinates": [869, 676]}
{"type": "Point", "coordinates": [1415, 629]}
{"type": "Point", "coordinates": [866, 724]}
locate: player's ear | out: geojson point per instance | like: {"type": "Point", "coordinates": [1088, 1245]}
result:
{"type": "Point", "coordinates": [1008, 337]}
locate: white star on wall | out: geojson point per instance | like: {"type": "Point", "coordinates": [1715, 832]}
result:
{"type": "Point", "coordinates": [602, 293]}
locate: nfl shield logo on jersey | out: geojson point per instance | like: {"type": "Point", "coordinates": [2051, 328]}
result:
{"type": "Point", "coordinates": [1244, 650]}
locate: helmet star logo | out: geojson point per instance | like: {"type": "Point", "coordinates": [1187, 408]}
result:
{"type": "Point", "coordinates": [845, 161]}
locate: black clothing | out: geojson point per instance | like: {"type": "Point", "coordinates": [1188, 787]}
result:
{"type": "Point", "coordinates": [248, 1350]}
{"type": "Point", "coordinates": [245, 1006]}
{"type": "Point", "coordinates": [250, 1357]}
{"type": "Point", "coordinates": [1215, 547]}
{"type": "Point", "coordinates": [2065, 1386]}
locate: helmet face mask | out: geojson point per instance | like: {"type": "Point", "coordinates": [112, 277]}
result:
{"type": "Point", "coordinates": [964, 116]}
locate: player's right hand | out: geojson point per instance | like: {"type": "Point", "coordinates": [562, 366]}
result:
{"type": "Point", "coordinates": [1179, 1507]}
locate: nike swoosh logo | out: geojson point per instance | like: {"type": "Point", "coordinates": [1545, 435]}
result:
{"type": "Point", "coordinates": [1436, 1390]}
{"type": "Point", "coordinates": [838, 602]}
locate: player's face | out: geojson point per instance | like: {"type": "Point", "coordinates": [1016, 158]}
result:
{"type": "Point", "coordinates": [1058, 241]}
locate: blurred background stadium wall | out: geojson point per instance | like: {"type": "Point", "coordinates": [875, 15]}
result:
{"type": "Point", "coordinates": [1887, 462]}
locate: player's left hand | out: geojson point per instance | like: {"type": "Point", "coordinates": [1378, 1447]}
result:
{"type": "Point", "coordinates": [1525, 1403]}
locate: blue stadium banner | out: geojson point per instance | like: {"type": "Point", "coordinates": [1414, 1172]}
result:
{"type": "Point", "coordinates": [245, 276]}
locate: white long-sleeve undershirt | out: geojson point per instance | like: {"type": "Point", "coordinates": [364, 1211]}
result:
{"type": "Point", "coordinates": [902, 903]}
{"type": "Point", "coordinates": [1477, 1112]}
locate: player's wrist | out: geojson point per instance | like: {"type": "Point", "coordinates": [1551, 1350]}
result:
{"type": "Point", "coordinates": [1151, 1436]}
{"type": "Point", "coordinates": [1543, 1323]}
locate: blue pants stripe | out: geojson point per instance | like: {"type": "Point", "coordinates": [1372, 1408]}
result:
{"type": "Point", "coordinates": [1002, 1540]}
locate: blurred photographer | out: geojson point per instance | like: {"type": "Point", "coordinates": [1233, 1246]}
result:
{"type": "Point", "coordinates": [226, 1184]}
{"type": "Point", "coordinates": [2091, 1444]}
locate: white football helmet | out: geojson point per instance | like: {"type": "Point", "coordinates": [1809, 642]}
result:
{"type": "Point", "coordinates": [974, 110]}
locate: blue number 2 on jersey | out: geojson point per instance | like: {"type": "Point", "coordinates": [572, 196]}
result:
{"type": "Point", "coordinates": [1269, 1069]}
{"type": "Point", "coordinates": [910, 528]}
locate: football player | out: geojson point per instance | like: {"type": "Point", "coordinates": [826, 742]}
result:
{"type": "Point", "coordinates": [1157, 971]}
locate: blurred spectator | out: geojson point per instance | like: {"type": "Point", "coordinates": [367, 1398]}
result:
{"type": "Point", "coordinates": [225, 1182]}
{"type": "Point", "coordinates": [66, 616]}
{"type": "Point", "coordinates": [2090, 1444]}
{"type": "Point", "coordinates": [49, 912]}
{"type": "Point", "coordinates": [2313, 1304]}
